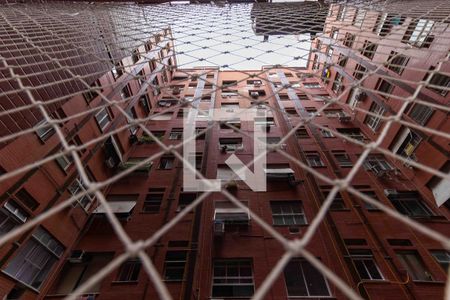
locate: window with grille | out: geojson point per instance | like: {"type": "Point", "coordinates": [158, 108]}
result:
{"type": "Point", "coordinates": [384, 87]}
{"type": "Point", "coordinates": [230, 144]}
{"type": "Point", "coordinates": [359, 72]}
{"type": "Point", "coordinates": [129, 271]}
{"type": "Point", "coordinates": [153, 200]}
{"type": "Point", "coordinates": [176, 134]}
{"type": "Point", "coordinates": [439, 82]}
{"type": "Point", "coordinates": [359, 18]}
{"type": "Point", "coordinates": [174, 265]}
{"type": "Point", "coordinates": [338, 202]}
{"type": "Point", "coordinates": [442, 257]}
{"type": "Point", "coordinates": [302, 133]}
{"type": "Point", "coordinates": [304, 280]}
{"type": "Point", "coordinates": [326, 133]}
{"type": "Point", "coordinates": [343, 159]}
{"type": "Point", "coordinates": [369, 49]}
{"type": "Point", "coordinates": [406, 143]}
{"type": "Point", "coordinates": [365, 264]}
{"type": "Point", "coordinates": [421, 113]}
{"type": "Point", "coordinates": [410, 204]}
{"type": "Point", "coordinates": [286, 213]}
{"type": "Point", "coordinates": [233, 278]}
{"type": "Point", "coordinates": [371, 194]}
{"type": "Point", "coordinates": [397, 62]}
{"type": "Point", "coordinates": [166, 163]}
{"type": "Point", "coordinates": [342, 60]}
{"type": "Point", "coordinates": [373, 121]}
{"type": "Point", "coordinates": [349, 39]}
{"type": "Point", "coordinates": [353, 133]}
{"type": "Point", "coordinates": [93, 91]}
{"type": "Point", "coordinates": [103, 119]}
{"type": "Point", "coordinates": [35, 259]}
{"type": "Point", "coordinates": [11, 216]}
{"type": "Point", "coordinates": [419, 33]}
{"type": "Point", "coordinates": [376, 162]}
{"type": "Point", "coordinates": [78, 186]}
{"type": "Point", "coordinates": [314, 159]}
{"type": "Point", "coordinates": [46, 130]}
{"type": "Point", "coordinates": [412, 262]}
{"type": "Point", "coordinates": [337, 84]}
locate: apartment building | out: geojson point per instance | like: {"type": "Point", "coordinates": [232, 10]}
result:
{"type": "Point", "coordinates": [218, 250]}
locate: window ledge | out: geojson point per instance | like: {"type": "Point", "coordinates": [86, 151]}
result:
{"type": "Point", "coordinates": [338, 210]}
{"type": "Point", "coordinates": [424, 282]}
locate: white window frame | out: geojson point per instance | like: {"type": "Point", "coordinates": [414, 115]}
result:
{"type": "Point", "coordinates": [288, 214]}
{"type": "Point", "coordinates": [100, 116]}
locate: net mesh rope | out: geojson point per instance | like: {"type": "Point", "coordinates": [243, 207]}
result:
{"type": "Point", "coordinates": [80, 42]}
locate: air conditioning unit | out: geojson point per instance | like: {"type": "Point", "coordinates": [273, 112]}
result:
{"type": "Point", "coordinates": [76, 256]}
{"type": "Point", "coordinates": [110, 163]}
{"type": "Point", "coordinates": [390, 192]}
{"type": "Point", "coordinates": [257, 84]}
{"type": "Point", "coordinates": [219, 228]}
{"type": "Point", "coordinates": [254, 94]}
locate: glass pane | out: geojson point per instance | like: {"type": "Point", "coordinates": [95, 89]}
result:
{"type": "Point", "coordinates": [295, 282]}
{"type": "Point", "coordinates": [315, 282]}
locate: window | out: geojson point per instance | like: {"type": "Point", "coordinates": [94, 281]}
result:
{"type": "Point", "coordinates": [11, 216]}
{"type": "Point", "coordinates": [77, 272]}
{"type": "Point", "coordinates": [377, 163]}
{"type": "Point", "coordinates": [291, 112]}
{"type": "Point", "coordinates": [334, 113]}
{"type": "Point", "coordinates": [174, 265]}
{"type": "Point", "coordinates": [117, 70]}
{"type": "Point", "coordinates": [77, 187]}
{"type": "Point", "coordinates": [230, 107]}
{"type": "Point", "coordinates": [311, 111]}
{"type": "Point", "coordinates": [226, 125]}
{"type": "Point", "coordinates": [410, 204]}
{"type": "Point", "coordinates": [302, 133]}
{"type": "Point", "coordinates": [286, 213]}
{"type": "Point", "coordinates": [360, 15]}
{"type": "Point", "coordinates": [442, 257]}
{"type": "Point", "coordinates": [439, 186]}
{"type": "Point", "coordinates": [185, 199]}
{"type": "Point", "coordinates": [125, 92]}
{"type": "Point", "coordinates": [166, 163]}
{"type": "Point", "coordinates": [103, 118]}
{"type": "Point", "coordinates": [163, 117]}
{"type": "Point", "coordinates": [129, 271]}
{"type": "Point", "coordinates": [360, 71]}
{"type": "Point", "coordinates": [230, 144]}
{"type": "Point", "coordinates": [133, 116]}
{"type": "Point", "coordinates": [418, 33]}
{"type": "Point", "coordinates": [314, 160]}
{"type": "Point", "coordinates": [64, 161]}
{"type": "Point", "coordinates": [225, 173]}
{"type": "Point", "coordinates": [35, 259]}
{"type": "Point", "coordinates": [365, 264]}
{"type": "Point", "coordinates": [304, 280]}
{"type": "Point", "coordinates": [385, 22]}
{"type": "Point", "coordinates": [228, 83]}
{"type": "Point", "coordinates": [46, 130]}
{"type": "Point", "coordinates": [413, 264]}
{"type": "Point", "coordinates": [369, 49]}
{"type": "Point", "coordinates": [326, 133]}
{"type": "Point", "coordinates": [373, 121]}
{"type": "Point", "coordinates": [337, 84]}
{"type": "Point", "coordinates": [343, 159]}
{"type": "Point", "coordinates": [176, 134]}
{"type": "Point", "coordinates": [153, 200]}
{"type": "Point", "coordinates": [372, 195]}
{"type": "Point", "coordinates": [341, 12]}
{"type": "Point", "coordinates": [92, 92]}
{"type": "Point", "coordinates": [421, 113]}
{"type": "Point", "coordinates": [338, 202]}
{"type": "Point", "coordinates": [342, 60]}
{"type": "Point", "coordinates": [311, 85]}
{"type": "Point", "coordinates": [397, 62]}
{"type": "Point", "coordinates": [334, 33]}
{"type": "Point", "coordinates": [353, 133]}
{"type": "Point", "coordinates": [26, 199]}
{"type": "Point", "coordinates": [439, 83]}
{"type": "Point", "coordinates": [406, 143]}
{"type": "Point", "coordinates": [349, 39]}
{"type": "Point", "coordinates": [232, 278]}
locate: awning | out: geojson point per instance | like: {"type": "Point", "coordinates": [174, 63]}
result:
{"type": "Point", "coordinates": [118, 207]}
